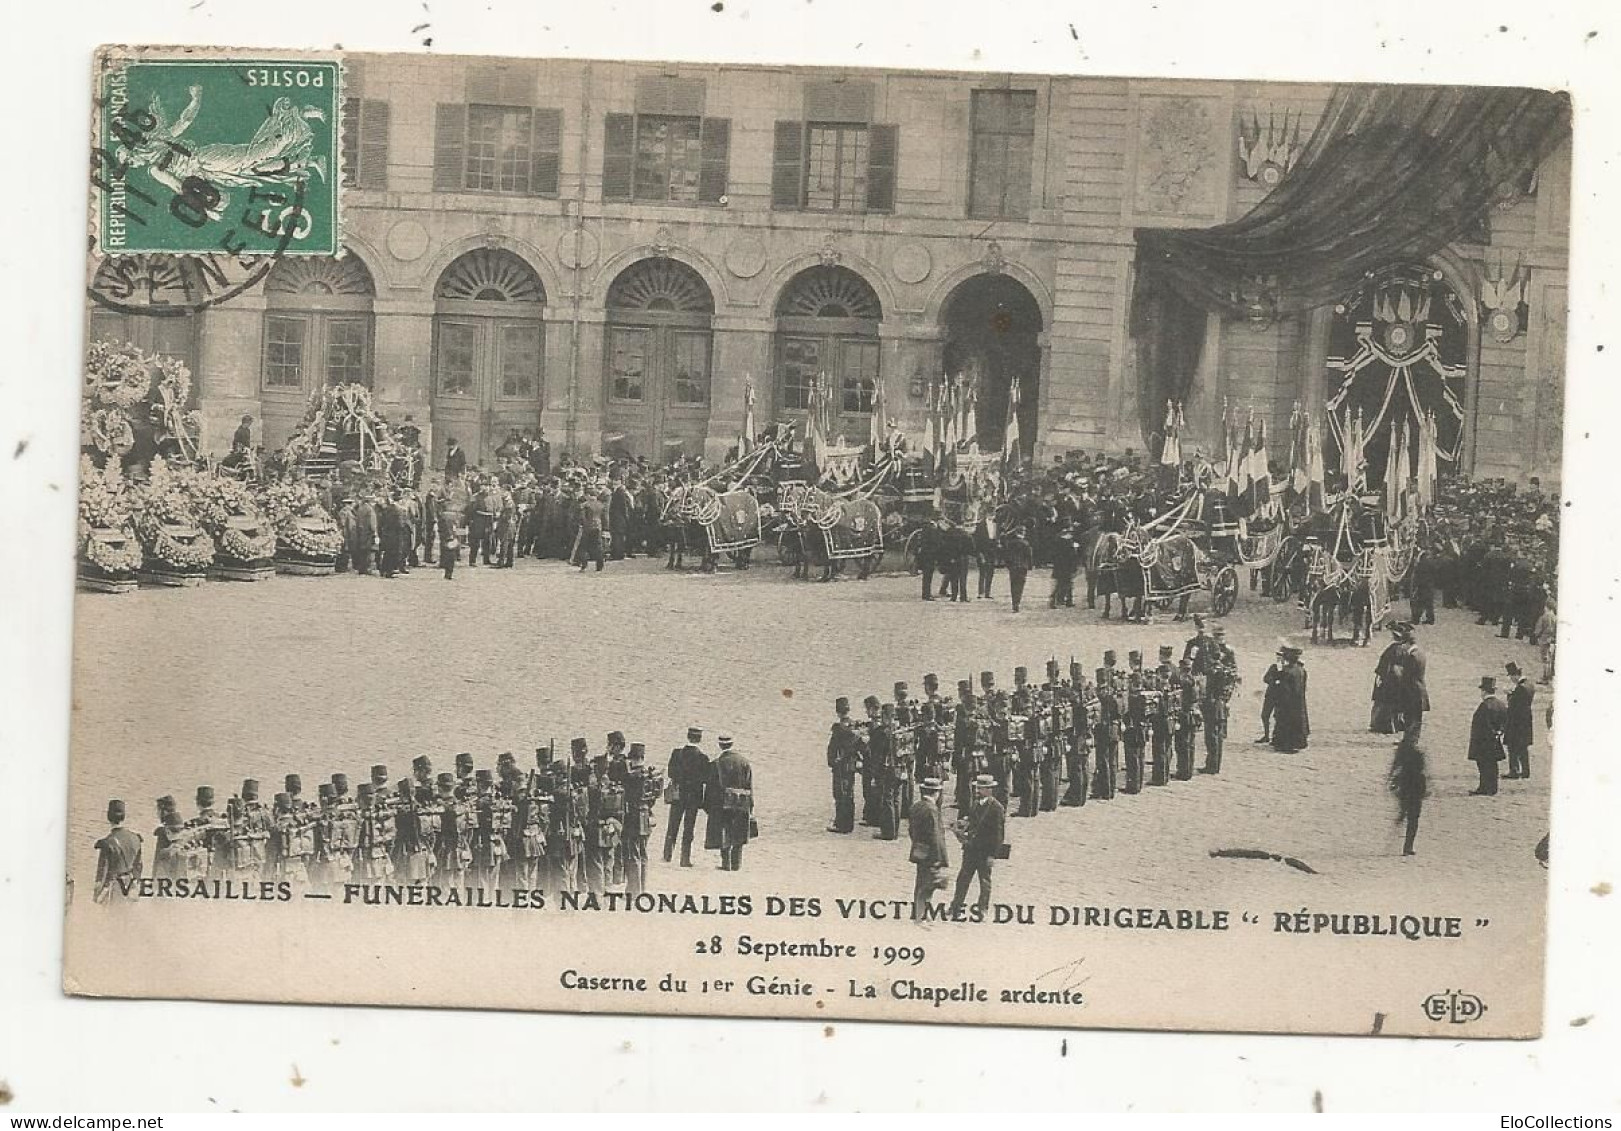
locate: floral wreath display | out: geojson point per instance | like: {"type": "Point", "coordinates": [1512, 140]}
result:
{"type": "Point", "coordinates": [348, 408]}
{"type": "Point", "coordinates": [126, 388]}
{"type": "Point", "coordinates": [107, 542]}
{"type": "Point", "coordinates": [166, 524]}
{"type": "Point", "coordinates": [228, 511]}
{"type": "Point", "coordinates": [302, 528]}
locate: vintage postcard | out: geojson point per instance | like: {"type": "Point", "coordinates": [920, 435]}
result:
{"type": "Point", "coordinates": [511, 490]}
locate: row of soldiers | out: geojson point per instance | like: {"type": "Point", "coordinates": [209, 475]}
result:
{"type": "Point", "coordinates": [561, 826]}
{"type": "Point", "coordinates": [1050, 744]}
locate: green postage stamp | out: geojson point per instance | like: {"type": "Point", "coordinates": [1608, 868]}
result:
{"type": "Point", "coordinates": [210, 156]}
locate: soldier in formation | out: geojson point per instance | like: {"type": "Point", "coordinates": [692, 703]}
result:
{"type": "Point", "coordinates": [561, 826]}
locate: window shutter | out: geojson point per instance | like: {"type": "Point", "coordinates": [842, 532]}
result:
{"type": "Point", "coordinates": [618, 150]}
{"type": "Point", "coordinates": [351, 141]}
{"type": "Point", "coordinates": [545, 156]}
{"type": "Point", "coordinates": [883, 143]}
{"type": "Point", "coordinates": [372, 170]}
{"type": "Point", "coordinates": [449, 147]}
{"type": "Point", "coordinates": [717, 145]}
{"type": "Point", "coordinates": [788, 160]}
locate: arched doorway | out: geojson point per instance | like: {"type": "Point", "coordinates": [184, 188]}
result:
{"type": "Point", "coordinates": [992, 325]}
{"type": "Point", "coordinates": [656, 385]}
{"type": "Point", "coordinates": [1398, 350]}
{"type": "Point", "coordinates": [827, 334]}
{"type": "Point", "coordinates": [317, 332]}
{"type": "Point", "coordinates": [488, 353]}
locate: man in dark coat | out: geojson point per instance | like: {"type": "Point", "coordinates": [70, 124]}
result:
{"type": "Point", "coordinates": [1291, 722]}
{"type": "Point", "coordinates": [365, 537]}
{"type": "Point", "coordinates": [688, 772]}
{"type": "Point", "coordinates": [455, 460]}
{"type": "Point", "coordinates": [449, 545]}
{"type": "Point", "coordinates": [118, 859]}
{"type": "Point", "coordinates": [1269, 699]}
{"type": "Point", "coordinates": [930, 548]}
{"type": "Point", "coordinates": [1019, 558]}
{"type": "Point", "coordinates": [1410, 783]}
{"type": "Point", "coordinates": [981, 831]}
{"type": "Point", "coordinates": [1486, 737]}
{"type": "Point", "coordinates": [595, 530]}
{"type": "Point", "coordinates": [959, 552]}
{"type": "Point", "coordinates": [1414, 694]}
{"type": "Point", "coordinates": [1066, 560]}
{"type": "Point", "coordinates": [925, 826]}
{"type": "Point", "coordinates": [1518, 727]}
{"type": "Point", "coordinates": [1422, 585]}
{"type": "Point", "coordinates": [1387, 682]}
{"type": "Point", "coordinates": [620, 508]}
{"type": "Point", "coordinates": [985, 554]}
{"type": "Point", "coordinates": [390, 537]}
{"type": "Point", "coordinates": [730, 801]}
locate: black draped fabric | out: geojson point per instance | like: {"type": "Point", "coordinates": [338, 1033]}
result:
{"type": "Point", "coordinates": [1390, 172]}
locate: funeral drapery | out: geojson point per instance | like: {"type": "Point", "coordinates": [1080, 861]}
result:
{"type": "Point", "coordinates": [1390, 172]}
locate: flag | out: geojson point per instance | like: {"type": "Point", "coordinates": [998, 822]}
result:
{"type": "Point", "coordinates": [931, 445]}
{"type": "Point", "coordinates": [1355, 461]}
{"type": "Point", "coordinates": [968, 427]}
{"type": "Point", "coordinates": [1010, 438]}
{"type": "Point", "coordinates": [1259, 471]}
{"type": "Point", "coordinates": [1395, 471]}
{"type": "Point", "coordinates": [1170, 449]}
{"type": "Point", "coordinates": [876, 432]}
{"type": "Point", "coordinates": [1425, 470]}
{"type": "Point", "coordinates": [1316, 472]}
{"type": "Point", "coordinates": [746, 441]}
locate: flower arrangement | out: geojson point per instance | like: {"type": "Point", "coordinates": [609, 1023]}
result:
{"type": "Point", "coordinates": [107, 543]}
{"type": "Point", "coordinates": [228, 511]}
{"type": "Point", "coordinates": [303, 529]}
{"type": "Point", "coordinates": [340, 411]}
{"type": "Point", "coordinates": [126, 389]}
{"type": "Point", "coordinates": [166, 525]}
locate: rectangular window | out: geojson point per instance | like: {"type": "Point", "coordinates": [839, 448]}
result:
{"type": "Point", "coordinates": [627, 360]}
{"type": "Point", "coordinates": [346, 352]}
{"type": "Point", "coordinates": [691, 368]}
{"type": "Point", "coordinates": [520, 360]}
{"type": "Point", "coordinates": [1004, 137]}
{"type": "Point", "coordinates": [801, 362]}
{"type": "Point", "coordinates": [284, 352]}
{"type": "Point", "coordinates": [858, 377]}
{"type": "Point", "coordinates": [836, 168]}
{"type": "Point", "coordinates": [665, 158]}
{"type": "Point", "coordinates": [458, 345]}
{"type": "Point", "coordinates": [365, 143]}
{"type": "Point", "coordinates": [498, 140]}
{"type": "Point", "coordinates": [669, 158]}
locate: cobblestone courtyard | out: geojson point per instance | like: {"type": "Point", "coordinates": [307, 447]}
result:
{"type": "Point", "coordinates": [175, 688]}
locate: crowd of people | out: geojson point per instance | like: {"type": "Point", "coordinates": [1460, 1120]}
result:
{"type": "Point", "coordinates": [580, 825]}
{"type": "Point", "coordinates": [1061, 743]}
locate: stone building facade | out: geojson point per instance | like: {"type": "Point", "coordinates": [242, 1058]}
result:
{"type": "Point", "coordinates": [614, 251]}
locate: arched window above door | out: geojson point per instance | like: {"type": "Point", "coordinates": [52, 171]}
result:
{"type": "Point", "coordinates": [490, 275]}
{"type": "Point", "coordinates": [665, 286]}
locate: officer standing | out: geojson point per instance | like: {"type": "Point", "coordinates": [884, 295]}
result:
{"type": "Point", "coordinates": [843, 752]}
{"type": "Point", "coordinates": [1190, 691]}
{"type": "Point", "coordinates": [1140, 722]}
{"type": "Point", "coordinates": [930, 548]}
{"type": "Point", "coordinates": [689, 770]}
{"type": "Point", "coordinates": [884, 758]}
{"type": "Point", "coordinates": [1106, 733]}
{"type": "Point", "coordinates": [1221, 675]}
{"type": "Point", "coordinates": [924, 825]}
{"type": "Point", "coordinates": [981, 831]}
{"type": "Point", "coordinates": [731, 812]}
{"type": "Point", "coordinates": [640, 795]}
{"type": "Point", "coordinates": [1079, 736]}
{"type": "Point", "coordinates": [1019, 558]}
{"type": "Point", "coordinates": [118, 859]}
{"type": "Point", "coordinates": [605, 819]}
{"type": "Point", "coordinates": [966, 737]}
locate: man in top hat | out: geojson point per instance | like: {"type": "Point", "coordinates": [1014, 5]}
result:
{"type": "Point", "coordinates": [843, 756]}
{"type": "Point", "coordinates": [731, 808]}
{"type": "Point", "coordinates": [1291, 721]}
{"type": "Point", "coordinates": [981, 831]}
{"type": "Point", "coordinates": [1518, 727]}
{"type": "Point", "coordinates": [1486, 737]}
{"type": "Point", "coordinates": [118, 859]}
{"type": "Point", "coordinates": [925, 825]}
{"type": "Point", "coordinates": [1269, 700]}
{"type": "Point", "coordinates": [688, 772]}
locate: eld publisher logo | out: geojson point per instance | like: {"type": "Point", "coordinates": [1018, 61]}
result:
{"type": "Point", "coordinates": [1454, 1006]}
